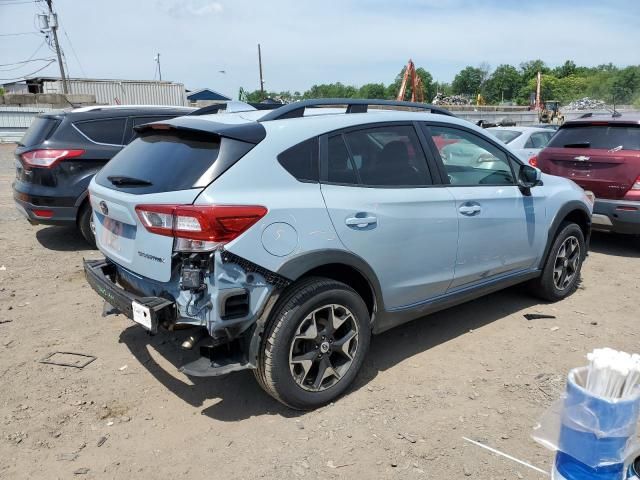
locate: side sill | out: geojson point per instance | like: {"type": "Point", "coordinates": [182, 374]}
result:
{"type": "Point", "coordinates": [389, 319]}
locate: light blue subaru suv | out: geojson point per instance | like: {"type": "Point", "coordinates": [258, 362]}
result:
{"type": "Point", "coordinates": [285, 238]}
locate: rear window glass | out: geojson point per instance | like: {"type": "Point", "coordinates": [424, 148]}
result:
{"type": "Point", "coordinates": [301, 161]}
{"type": "Point", "coordinates": [161, 163]}
{"type": "Point", "coordinates": [608, 137]}
{"type": "Point", "coordinates": [104, 131]}
{"type": "Point", "coordinates": [40, 129]}
{"type": "Point", "coordinates": [506, 136]}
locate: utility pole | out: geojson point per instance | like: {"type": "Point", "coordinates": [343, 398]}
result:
{"type": "Point", "coordinates": [54, 29]}
{"type": "Point", "coordinates": [157, 59]}
{"type": "Point", "coordinates": [260, 67]}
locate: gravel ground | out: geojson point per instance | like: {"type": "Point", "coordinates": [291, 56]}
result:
{"type": "Point", "coordinates": [480, 370]}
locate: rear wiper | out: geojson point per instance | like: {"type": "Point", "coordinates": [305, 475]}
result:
{"type": "Point", "coordinates": [578, 145]}
{"type": "Point", "coordinates": [120, 181]}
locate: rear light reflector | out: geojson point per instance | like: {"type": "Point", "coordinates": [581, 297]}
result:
{"type": "Point", "coordinates": [533, 161]}
{"type": "Point", "coordinates": [627, 208]}
{"type": "Point", "coordinates": [200, 226]}
{"type": "Point", "coordinates": [48, 158]}
{"type": "Point", "coordinates": [43, 213]}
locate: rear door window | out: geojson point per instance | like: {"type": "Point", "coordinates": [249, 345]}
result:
{"type": "Point", "coordinates": [156, 163]}
{"type": "Point", "coordinates": [387, 156]}
{"type": "Point", "coordinates": [109, 131]}
{"type": "Point", "coordinates": [301, 160]}
{"type": "Point", "coordinates": [606, 137]}
{"type": "Point", "coordinates": [40, 129]}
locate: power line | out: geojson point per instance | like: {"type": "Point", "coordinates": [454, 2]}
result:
{"type": "Point", "coordinates": [18, 2]}
{"type": "Point", "coordinates": [16, 34]}
{"type": "Point", "coordinates": [28, 74]}
{"type": "Point", "coordinates": [27, 61]}
{"type": "Point", "coordinates": [73, 50]}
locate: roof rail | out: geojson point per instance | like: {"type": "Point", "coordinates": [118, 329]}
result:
{"type": "Point", "coordinates": [586, 115]}
{"type": "Point", "coordinates": [235, 106]}
{"type": "Point", "coordinates": [354, 105]}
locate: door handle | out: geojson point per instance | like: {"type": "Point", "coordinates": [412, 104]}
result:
{"type": "Point", "coordinates": [470, 209]}
{"type": "Point", "coordinates": [361, 222]}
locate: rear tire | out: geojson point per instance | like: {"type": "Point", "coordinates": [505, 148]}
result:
{"type": "Point", "coordinates": [314, 343]}
{"type": "Point", "coordinates": [85, 224]}
{"type": "Point", "coordinates": [561, 273]}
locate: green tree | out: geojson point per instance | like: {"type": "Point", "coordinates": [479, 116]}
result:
{"type": "Point", "coordinates": [372, 90]}
{"type": "Point", "coordinates": [566, 69]}
{"type": "Point", "coordinates": [331, 90]}
{"type": "Point", "coordinates": [504, 83]}
{"type": "Point", "coordinates": [531, 68]}
{"type": "Point", "coordinates": [468, 81]}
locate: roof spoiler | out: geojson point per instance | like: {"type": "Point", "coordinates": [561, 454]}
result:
{"type": "Point", "coordinates": [235, 106]}
{"type": "Point", "coordinates": [250, 132]}
{"type": "Point", "coordinates": [354, 105]}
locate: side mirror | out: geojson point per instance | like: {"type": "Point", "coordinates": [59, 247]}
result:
{"type": "Point", "coordinates": [528, 177]}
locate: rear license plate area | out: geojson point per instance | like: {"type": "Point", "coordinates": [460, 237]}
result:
{"type": "Point", "coordinates": [112, 232]}
{"type": "Point", "coordinates": [142, 315]}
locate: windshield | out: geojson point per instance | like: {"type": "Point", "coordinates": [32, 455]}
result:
{"type": "Point", "coordinates": [606, 137]}
{"type": "Point", "coordinates": [506, 136]}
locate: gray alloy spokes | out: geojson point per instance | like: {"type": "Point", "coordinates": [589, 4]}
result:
{"type": "Point", "coordinates": [567, 262]}
{"type": "Point", "coordinates": [323, 347]}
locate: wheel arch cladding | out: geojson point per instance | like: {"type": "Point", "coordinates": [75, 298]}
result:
{"type": "Point", "coordinates": [575, 212]}
{"type": "Point", "coordinates": [341, 266]}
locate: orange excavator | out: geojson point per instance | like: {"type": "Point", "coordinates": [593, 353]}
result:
{"type": "Point", "coordinates": [417, 93]}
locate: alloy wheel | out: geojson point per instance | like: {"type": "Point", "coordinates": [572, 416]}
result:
{"type": "Point", "coordinates": [323, 347]}
{"type": "Point", "coordinates": [567, 263]}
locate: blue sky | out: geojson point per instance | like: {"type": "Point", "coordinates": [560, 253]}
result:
{"type": "Point", "coordinates": [303, 42]}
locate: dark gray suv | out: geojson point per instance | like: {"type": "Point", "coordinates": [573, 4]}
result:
{"type": "Point", "coordinates": [62, 151]}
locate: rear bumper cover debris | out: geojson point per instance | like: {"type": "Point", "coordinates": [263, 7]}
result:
{"type": "Point", "coordinates": [100, 275]}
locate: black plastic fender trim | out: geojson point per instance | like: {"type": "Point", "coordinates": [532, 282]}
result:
{"type": "Point", "coordinates": [562, 213]}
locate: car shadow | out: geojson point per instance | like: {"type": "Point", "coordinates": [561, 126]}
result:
{"type": "Point", "coordinates": [62, 239]}
{"type": "Point", "coordinates": [615, 244]}
{"type": "Point", "coordinates": [240, 397]}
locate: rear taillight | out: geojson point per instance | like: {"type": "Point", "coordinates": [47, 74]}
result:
{"type": "Point", "coordinates": [48, 158]}
{"type": "Point", "coordinates": [636, 184]}
{"type": "Point", "coordinates": [199, 227]}
{"type": "Point", "coordinates": [533, 161]}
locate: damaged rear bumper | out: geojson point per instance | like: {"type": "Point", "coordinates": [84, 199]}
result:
{"type": "Point", "coordinates": [232, 304]}
{"type": "Point", "coordinates": [101, 274]}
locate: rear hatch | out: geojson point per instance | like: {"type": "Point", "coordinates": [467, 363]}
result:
{"type": "Point", "coordinates": [168, 164]}
{"type": "Point", "coordinates": [41, 128]}
{"type": "Point", "coordinates": [603, 157]}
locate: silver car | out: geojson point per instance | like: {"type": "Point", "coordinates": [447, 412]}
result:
{"type": "Point", "coordinates": [525, 141]}
{"type": "Point", "coordinates": [284, 239]}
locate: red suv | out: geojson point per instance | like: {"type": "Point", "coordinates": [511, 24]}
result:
{"type": "Point", "coordinates": [601, 154]}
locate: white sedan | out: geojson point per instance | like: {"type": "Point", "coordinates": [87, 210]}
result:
{"type": "Point", "coordinates": [525, 141]}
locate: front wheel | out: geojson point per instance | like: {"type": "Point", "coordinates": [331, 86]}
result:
{"type": "Point", "coordinates": [314, 344]}
{"type": "Point", "coordinates": [561, 273]}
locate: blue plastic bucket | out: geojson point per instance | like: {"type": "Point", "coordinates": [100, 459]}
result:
{"type": "Point", "coordinates": [594, 432]}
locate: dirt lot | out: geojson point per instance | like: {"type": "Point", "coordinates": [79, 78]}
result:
{"type": "Point", "coordinates": [480, 370]}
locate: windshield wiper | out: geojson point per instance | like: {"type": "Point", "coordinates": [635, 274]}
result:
{"type": "Point", "coordinates": [120, 181]}
{"type": "Point", "coordinates": [578, 145]}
